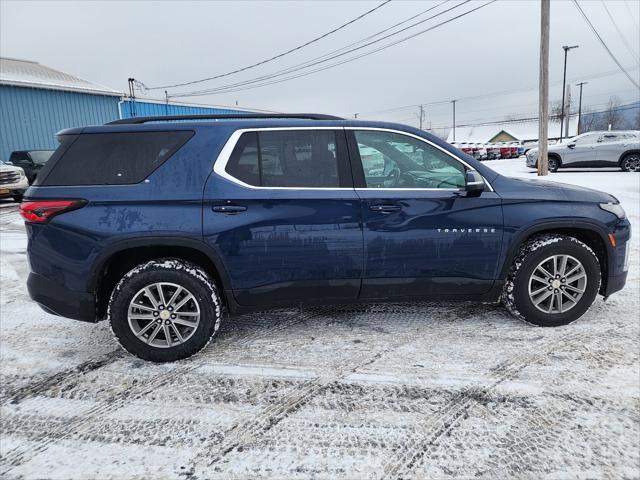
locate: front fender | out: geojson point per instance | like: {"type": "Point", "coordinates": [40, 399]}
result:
{"type": "Point", "coordinates": [567, 224]}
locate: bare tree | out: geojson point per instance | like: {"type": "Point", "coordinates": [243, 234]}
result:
{"type": "Point", "coordinates": [612, 115]}
{"type": "Point", "coordinates": [588, 120]}
{"type": "Point", "coordinates": [556, 110]}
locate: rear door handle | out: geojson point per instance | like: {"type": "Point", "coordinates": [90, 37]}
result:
{"type": "Point", "coordinates": [385, 208]}
{"type": "Point", "coordinates": [228, 208]}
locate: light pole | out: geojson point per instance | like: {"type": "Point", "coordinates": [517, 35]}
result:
{"type": "Point", "coordinates": [580, 106]}
{"type": "Point", "coordinates": [564, 83]}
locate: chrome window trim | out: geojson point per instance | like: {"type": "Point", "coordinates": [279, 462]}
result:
{"type": "Point", "coordinates": [220, 165]}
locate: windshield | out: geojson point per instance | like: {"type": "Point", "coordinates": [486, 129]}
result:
{"type": "Point", "coordinates": [40, 156]}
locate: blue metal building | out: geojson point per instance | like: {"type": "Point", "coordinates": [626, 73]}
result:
{"type": "Point", "coordinates": [37, 101]}
{"type": "Point", "coordinates": [147, 107]}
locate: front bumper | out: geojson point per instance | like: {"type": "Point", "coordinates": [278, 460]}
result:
{"type": "Point", "coordinates": [16, 188]}
{"type": "Point", "coordinates": [58, 300]}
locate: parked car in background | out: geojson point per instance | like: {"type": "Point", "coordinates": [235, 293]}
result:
{"type": "Point", "coordinates": [480, 152]}
{"type": "Point", "coordinates": [300, 209]}
{"type": "Point", "coordinates": [505, 150]}
{"type": "Point", "coordinates": [594, 149]}
{"type": "Point", "coordinates": [466, 148]}
{"type": "Point", "coordinates": [493, 151]}
{"type": "Point", "coordinates": [13, 181]}
{"type": "Point", "coordinates": [519, 148]}
{"type": "Point", "coordinates": [31, 161]}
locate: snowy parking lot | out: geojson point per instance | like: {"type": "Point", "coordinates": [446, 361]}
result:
{"type": "Point", "coordinates": [373, 391]}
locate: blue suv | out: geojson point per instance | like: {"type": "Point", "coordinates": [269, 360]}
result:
{"type": "Point", "coordinates": [163, 224]}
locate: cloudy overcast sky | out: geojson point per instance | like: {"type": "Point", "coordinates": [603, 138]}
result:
{"type": "Point", "coordinates": [493, 49]}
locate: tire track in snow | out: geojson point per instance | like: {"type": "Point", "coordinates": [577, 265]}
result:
{"type": "Point", "coordinates": [82, 424]}
{"type": "Point", "coordinates": [249, 430]}
{"type": "Point", "coordinates": [413, 451]}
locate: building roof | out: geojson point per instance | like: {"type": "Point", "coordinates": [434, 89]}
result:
{"type": "Point", "coordinates": [521, 130]}
{"type": "Point", "coordinates": [23, 73]}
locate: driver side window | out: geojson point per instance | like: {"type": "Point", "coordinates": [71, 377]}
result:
{"type": "Point", "coordinates": [393, 160]}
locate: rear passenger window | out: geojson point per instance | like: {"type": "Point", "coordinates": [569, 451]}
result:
{"type": "Point", "coordinates": [290, 158]}
{"type": "Point", "coordinates": [114, 158]}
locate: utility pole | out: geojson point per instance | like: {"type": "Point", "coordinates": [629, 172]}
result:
{"type": "Point", "coordinates": [421, 116]}
{"type": "Point", "coordinates": [580, 106]}
{"type": "Point", "coordinates": [454, 119]}
{"type": "Point", "coordinates": [132, 97]}
{"type": "Point", "coordinates": [564, 83]}
{"type": "Point", "coordinates": [166, 103]}
{"type": "Point", "coordinates": [543, 96]}
{"type": "Point", "coordinates": [355, 115]}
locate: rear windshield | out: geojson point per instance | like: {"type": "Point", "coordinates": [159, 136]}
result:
{"type": "Point", "coordinates": [110, 158]}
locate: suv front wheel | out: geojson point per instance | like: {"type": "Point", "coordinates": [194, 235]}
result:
{"type": "Point", "coordinates": [553, 281]}
{"type": "Point", "coordinates": [165, 310]}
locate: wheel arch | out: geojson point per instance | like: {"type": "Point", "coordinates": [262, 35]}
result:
{"type": "Point", "coordinates": [557, 156]}
{"type": "Point", "coordinates": [118, 259]}
{"type": "Point", "coordinates": [591, 234]}
{"type": "Point", "coordinates": [628, 152]}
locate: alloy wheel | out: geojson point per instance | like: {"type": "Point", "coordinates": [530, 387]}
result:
{"type": "Point", "coordinates": [557, 284]}
{"type": "Point", "coordinates": [163, 314]}
{"type": "Point", "coordinates": [632, 163]}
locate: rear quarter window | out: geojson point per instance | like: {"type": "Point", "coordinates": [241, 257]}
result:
{"type": "Point", "coordinates": [112, 158]}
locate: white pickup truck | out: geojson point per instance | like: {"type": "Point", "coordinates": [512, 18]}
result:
{"type": "Point", "coordinates": [13, 181]}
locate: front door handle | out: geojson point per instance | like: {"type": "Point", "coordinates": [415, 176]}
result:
{"type": "Point", "coordinates": [385, 208]}
{"type": "Point", "coordinates": [229, 208]}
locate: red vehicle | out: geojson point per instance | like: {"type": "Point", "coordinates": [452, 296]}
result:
{"type": "Point", "coordinates": [505, 151]}
{"type": "Point", "coordinates": [514, 151]}
{"type": "Point", "coordinates": [466, 148]}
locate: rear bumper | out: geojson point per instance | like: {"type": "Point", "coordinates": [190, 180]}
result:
{"type": "Point", "coordinates": [55, 299]}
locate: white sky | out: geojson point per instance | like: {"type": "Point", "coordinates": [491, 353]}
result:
{"type": "Point", "coordinates": [491, 50]}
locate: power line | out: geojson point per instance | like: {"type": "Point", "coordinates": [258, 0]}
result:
{"type": "Point", "coordinates": [280, 55]}
{"type": "Point", "coordinates": [593, 29]}
{"type": "Point", "coordinates": [232, 87]}
{"type": "Point", "coordinates": [314, 60]}
{"type": "Point", "coordinates": [322, 58]}
{"type": "Point", "coordinates": [624, 40]}
{"type": "Point", "coordinates": [495, 94]}
{"type": "Point", "coordinates": [633, 19]}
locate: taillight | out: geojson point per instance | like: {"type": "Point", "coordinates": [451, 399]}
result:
{"type": "Point", "coordinates": [41, 211]}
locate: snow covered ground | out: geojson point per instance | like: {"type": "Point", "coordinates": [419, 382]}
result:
{"type": "Point", "coordinates": [393, 391]}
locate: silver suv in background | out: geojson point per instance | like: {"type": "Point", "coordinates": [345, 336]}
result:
{"type": "Point", "coordinates": [594, 149]}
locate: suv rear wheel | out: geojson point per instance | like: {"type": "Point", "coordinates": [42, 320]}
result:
{"type": "Point", "coordinates": [630, 163]}
{"type": "Point", "coordinates": [553, 281]}
{"type": "Point", "coordinates": [165, 310]}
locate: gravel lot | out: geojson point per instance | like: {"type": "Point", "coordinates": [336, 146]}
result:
{"type": "Point", "coordinates": [389, 391]}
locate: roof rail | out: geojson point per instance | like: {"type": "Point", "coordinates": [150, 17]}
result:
{"type": "Point", "coordinates": [306, 116]}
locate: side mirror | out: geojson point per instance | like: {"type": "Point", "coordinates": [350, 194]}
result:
{"type": "Point", "coordinates": [474, 183]}
{"type": "Point", "coordinates": [572, 145]}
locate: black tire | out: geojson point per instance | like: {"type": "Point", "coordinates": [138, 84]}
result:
{"type": "Point", "coordinates": [554, 164]}
{"type": "Point", "coordinates": [17, 198]}
{"type": "Point", "coordinates": [630, 162]}
{"type": "Point", "coordinates": [515, 296]}
{"type": "Point", "coordinates": [175, 271]}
